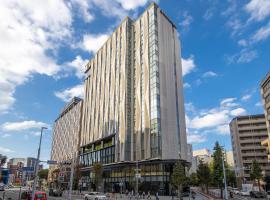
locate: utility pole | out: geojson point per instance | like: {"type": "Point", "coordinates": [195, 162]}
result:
{"type": "Point", "coordinates": [71, 177]}
{"type": "Point", "coordinates": [37, 163]}
{"type": "Point", "coordinates": [225, 181]}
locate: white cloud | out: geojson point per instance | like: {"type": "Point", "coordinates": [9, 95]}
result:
{"type": "Point", "coordinates": [187, 20]}
{"type": "Point", "coordinates": [246, 97]}
{"type": "Point", "coordinates": [132, 4]}
{"type": "Point", "coordinates": [214, 120]}
{"type": "Point", "coordinates": [187, 85]}
{"type": "Point", "coordinates": [246, 55]}
{"type": "Point", "coordinates": [188, 65]}
{"type": "Point", "coordinates": [210, 120]}
{"type": "Point", "coordinates": [258, 9]}
{"type": "Point", "coordinates": [195, 138]}
{"type": "Point", "coordinates": [228, 102]}
{"type": "Point", "coordinates": [83, 9]}
{"type": "Point", "coordinates": [223, 129]}
{"type": "Point", "coordinates": [5, 150]}
{"type": "Point", "coordinates": [24, 125]}
{"type": "Point", "coordinates": [262, 34]}
{"type": "Point", "coordinates": [29, 30]}
{"type": "Point", "coordinates": [209, 74]}
{"type": "Point", "coordinates": [6, 135]}
{"type": "Point", "coordinates": [67, 94]}
{"type": "Point", "coordinates": [242, 43]}
{"type": "Point", "coordinates": [92, 42]}
{"type": "Point", "coordinates": [259, 104]}
{"type": "Point", "coordinates": [77, 65]}
{"type": "Point", "coordinates": [238, 112]}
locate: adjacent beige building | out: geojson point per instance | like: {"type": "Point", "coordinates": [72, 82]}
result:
{"type": "Point", "coordinates": [66, 132]}
{"type": "Point", "coordinates": [134, 108]}
{"type": "Point", "coordinates": [265, 92]}
{"type": "Point", "coordinates": [229, 158]}
{"type": "Point", "coordinates": [247, 133]}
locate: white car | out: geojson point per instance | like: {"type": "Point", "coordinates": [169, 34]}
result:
{"type": "Point", "coordinates": [235, 191]}
{"type": "Point", "coordinates": [2, 187]}
{"type": "Point", "coordinates": [268, 195]}
{"type": "Point", "coordinates": [95, 196]}
{"type": "Point", "coordinates": [245, 193]}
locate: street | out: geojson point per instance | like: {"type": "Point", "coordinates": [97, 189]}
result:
{"type": "Point", "coordinates": [13, 194]}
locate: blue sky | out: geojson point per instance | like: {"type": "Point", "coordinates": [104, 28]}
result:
{"type": "Point", "coordinates": [45, 44]}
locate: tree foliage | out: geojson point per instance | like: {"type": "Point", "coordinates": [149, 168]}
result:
{"type": "Point", "coordinates": [43, 174]}
{"type": "Point", "coordinates": [97, 174]}
{"type": "Point", "coordinates": [3, 160]}
{"type": "Point", "coordinates": [179, 178]}
{"type": "Point", "coordinates": [204, 175]}
{"type": "Point", "coordinates": [194, 180]}
{"type": "Point", "coordinates": [217, 167]}
{"type": "Point", "coordinates": [256, 172]}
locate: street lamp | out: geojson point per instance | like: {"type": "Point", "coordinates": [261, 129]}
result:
{"type": "Point", "coordinates": [37, 163]}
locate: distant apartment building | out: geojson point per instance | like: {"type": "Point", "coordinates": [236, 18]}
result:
{"type": "Point", "coordinates": [15, 161]}
{"type": "Point", "coordinates": [133, 108]}
{"type": "Point", "coordinates": [247, 133]}
{"type": "Point", "coordinates": [265, 92]}
{"type": "Point", "coordinates": [203, 155]}
{"type": "Point", "coordinates": [66, 134]}
{"type": "Point", "coordinates": [229, 158]}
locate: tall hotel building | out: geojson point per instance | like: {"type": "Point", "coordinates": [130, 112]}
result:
{"type": "Point", "coordinates": [265, 92]}
{"type": "Point", "coordinates": [134, 108]}
{"type": "Point", "coordinates": [247, 133]}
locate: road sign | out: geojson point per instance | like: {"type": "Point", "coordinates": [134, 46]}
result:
{"type": "Point", "coordinates": [51, 162]}
{"type": "Point", "coordinates": [28, 169]}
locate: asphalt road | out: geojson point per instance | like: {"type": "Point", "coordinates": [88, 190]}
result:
{"type": "Point", "coordinates": [13, 194]}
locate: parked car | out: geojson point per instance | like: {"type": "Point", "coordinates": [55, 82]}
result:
{"type": "Point", "coordinates": [2, 187]}
{"type": "Point", "coordinates": [55, 192]}
{"type": "Point", "coordinates": [244, 193]}
{"type": "Point", "coordinates": [95, 196]}
{"type": "Point", "coordinates": [257, 194]}
{"type": "Point", "coordinates": [27, 195]}
{"type": "Point", "coordinates": [268, 195]}
{"type": "Point", "coordinates": [235, 191]}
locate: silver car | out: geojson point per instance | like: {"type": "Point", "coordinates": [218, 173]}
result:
{"type": "Point", "coordinates": [95, 196]}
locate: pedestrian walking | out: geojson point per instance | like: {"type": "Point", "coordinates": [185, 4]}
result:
{"type": "Point", "coordinates": [143, 195]}
{"type": "Point", "coordinates": [148, 195]}
{"type": "Point", "coordinates": [157, 198]}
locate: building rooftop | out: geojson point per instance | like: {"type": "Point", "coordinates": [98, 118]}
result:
{"type": "Point", "coordinates": [68, 106]}
{"type": "Point", "coordinates": [267, 76]}
{"type": "Point", "coordinates": [247, 117]}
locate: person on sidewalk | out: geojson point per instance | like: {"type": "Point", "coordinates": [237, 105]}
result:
{"type": "Point", "coordinates": [157, 198]}
{"type": "Point", "coordinates": [148, 195]}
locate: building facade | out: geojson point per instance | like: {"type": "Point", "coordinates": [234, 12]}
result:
{"type": "Point", "coordinates": [247, 133]}
{"type": "Point", "coordinates": [229, 158]}
{"type": "Point", "coordinates": [66, 132]}
{"type": "Point", "coordinates": [133, 109]}
{"type": "Point", "coordinates": [265, 92]}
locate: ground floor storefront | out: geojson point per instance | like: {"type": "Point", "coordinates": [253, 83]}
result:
{"type": "Point", "coordinates": [154, 176]}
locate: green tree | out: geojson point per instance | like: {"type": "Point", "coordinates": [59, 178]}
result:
{"type": "Point", "coordinates": [256, 172]}
{"type": "Point", "coordinates": [194, 181]}
{"type": "Point", "coordinates": [231, 179]}
{"type": "Point", "coordinates": [204, 175]}
{"type": "Point", "coordinates": [3, 160]}
{"type": "Point", "coordinates": [179, 178]}
{"type": "Point", "coordinates": [97, 174]}
{"type": "Point", "coordinates": [217, 168]}
{"type": "Point", "coordinates": [43, 174]}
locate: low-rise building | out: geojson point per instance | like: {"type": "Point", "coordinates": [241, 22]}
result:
{"type": "Point", "coordinates": [265, 92]}
{"type": "Point", "coordinates": [247, 133]}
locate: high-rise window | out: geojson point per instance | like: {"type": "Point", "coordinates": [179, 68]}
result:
{"type": "Point", "coordinates": [154, 84]}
